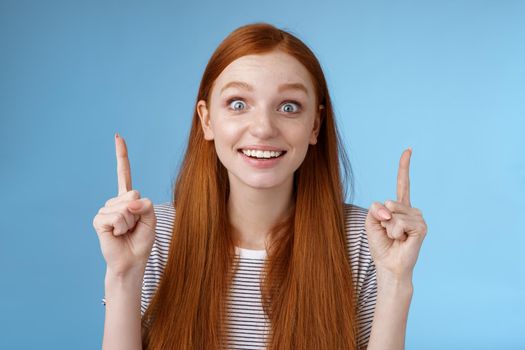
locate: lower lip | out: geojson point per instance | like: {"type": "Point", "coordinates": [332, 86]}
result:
{"type": "Point", "coordinates": [261, 163]}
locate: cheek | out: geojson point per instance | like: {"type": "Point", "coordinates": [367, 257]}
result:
{"type": "Point", "coordinates": [297, 137]}
{"type": "Point", "coordinates": [225, 130]}
{"type": "Point", "coordinates": [227, 135]}
{"type": "Point", "coordinates": [298, 134]}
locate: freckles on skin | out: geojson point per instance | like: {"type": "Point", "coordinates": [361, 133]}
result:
{"type": "Point", "coordinates": [265, 72]}
{"type": "Point", "coordinates": [262, 117]}
{"type": "Point", "coordinates": [293, 131]}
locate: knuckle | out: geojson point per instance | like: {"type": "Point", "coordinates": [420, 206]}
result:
{"type": "Point", "coordinates": [105, 210]}
{"type": "Point", "coordinates": [135, 194]}
{"type": "Point", "coordinates": [418, 212]}
{"type": "Point", "coordinates": [120, 226]}
{"type": "Point", "coordinates": [119, 218]}
{"type": "Point", "coordinates": [389, 203]}
{"type": "Point", "coordinates": [374, 206]}
{"type": "Point", "coordinates": [110, 202]}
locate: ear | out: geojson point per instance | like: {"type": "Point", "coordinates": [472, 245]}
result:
{"type": "Point", "coordinates": [204, 116]}
{"type": "Point", "coordinates": [317, 125]}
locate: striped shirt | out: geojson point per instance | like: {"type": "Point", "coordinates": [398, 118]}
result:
{"type": "Point", "coordinates": [248, 325]}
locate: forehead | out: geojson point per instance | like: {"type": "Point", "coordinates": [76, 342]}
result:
{"type": "Point", "coordinates": [271, 69]}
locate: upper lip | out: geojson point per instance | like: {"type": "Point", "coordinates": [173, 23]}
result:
{"type": "Point", "coordinates": [262, 148]}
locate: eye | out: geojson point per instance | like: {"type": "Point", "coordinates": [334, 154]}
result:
{"type": "Point", "coordinates": [288, 109]}
{"type": "Point", "coordinates": [236, 102]}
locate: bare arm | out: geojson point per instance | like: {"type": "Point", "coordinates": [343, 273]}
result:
{"type": "Point", "coordinates": [391, 313]}
{"type": "Point", "coordinates": [395, 233]}
{"type": "Point", "coordinates": [125, 227]}
{"type": "Point", "coordinates": [122, 325]}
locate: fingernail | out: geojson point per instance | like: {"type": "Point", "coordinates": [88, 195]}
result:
{"type": "Point", "coordinates": [384, 214]}
{"type": "Point", "coordinates": [116, 135]}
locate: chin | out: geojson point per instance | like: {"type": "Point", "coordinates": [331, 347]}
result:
{"type": "Point", "coordinates": [261, 182]}
{"type": "Point", "coordinates": [262, 186]}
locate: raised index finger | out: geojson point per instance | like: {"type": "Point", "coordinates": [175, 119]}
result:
{"type": "Point", "coordinates": [123, 170]}
{"type": "Point", "coordinates": [403, 180]}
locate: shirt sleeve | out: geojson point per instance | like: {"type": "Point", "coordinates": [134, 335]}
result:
{"type": "Point", "coordinates": [366, 306]}
{"type": "Point", "coordinates": [158, 258]}
{"type": "Point", "coordinates": [363, 271]}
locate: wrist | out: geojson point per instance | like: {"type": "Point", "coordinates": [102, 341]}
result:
{"type": "Point", "coordinates": [125, 272]}
{"type": "Point", "coordinates": [130, 278]}
{"type": "Point", "coordinates": [401, 283]}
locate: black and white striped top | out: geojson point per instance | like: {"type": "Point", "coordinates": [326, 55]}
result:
{"type": "Point", "coordinates": [248, 325]}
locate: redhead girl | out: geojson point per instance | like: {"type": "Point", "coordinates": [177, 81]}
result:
{"type": "Point", "coordinates": [258, 249]}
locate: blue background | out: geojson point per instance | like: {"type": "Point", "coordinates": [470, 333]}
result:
{"type": "Point", "coordinates": [445, 77]}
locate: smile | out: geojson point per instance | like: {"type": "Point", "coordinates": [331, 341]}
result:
{"type": "Point", "coordinates": [258, 154]}
{"type": "Point", "coordinates": [251, 158]}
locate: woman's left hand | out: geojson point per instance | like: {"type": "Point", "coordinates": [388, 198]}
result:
{"type": "Point", "coordinates": [395, 230]}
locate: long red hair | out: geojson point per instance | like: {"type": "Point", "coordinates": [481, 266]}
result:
{"type": "Point", "coordinates": [307, 289]}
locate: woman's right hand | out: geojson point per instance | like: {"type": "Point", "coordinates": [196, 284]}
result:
{"type": "Point", "coordinates": [126, 224]}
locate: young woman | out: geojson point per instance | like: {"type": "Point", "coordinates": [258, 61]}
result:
{"type": "Point", "coordinates": [258, 248]}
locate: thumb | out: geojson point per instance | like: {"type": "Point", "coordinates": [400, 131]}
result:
{"type": "Point", "coordinates": [144, 208]}
{"type": "Point", "coordinates": [378, 212]}
{"type": "Point", "coordinates": [378, 239]}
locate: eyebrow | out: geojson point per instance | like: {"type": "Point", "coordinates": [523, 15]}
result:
{"type": "Point", "coordinates": [283, 87]}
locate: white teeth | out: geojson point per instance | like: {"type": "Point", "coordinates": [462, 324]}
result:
{"type": "Point", "coordinates": [261, 154]}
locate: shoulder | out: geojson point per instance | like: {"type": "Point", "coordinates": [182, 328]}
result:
{"type": "Point", "coordinates": [165, 213]}
{"type": "Point", "coordinates": [355, 217]}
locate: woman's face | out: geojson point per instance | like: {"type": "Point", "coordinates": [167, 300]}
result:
{"type": "Point", "coordinates": [262, 116]}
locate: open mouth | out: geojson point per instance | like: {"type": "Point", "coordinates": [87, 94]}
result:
{"type": "Point", "coordinates": [262, 155]}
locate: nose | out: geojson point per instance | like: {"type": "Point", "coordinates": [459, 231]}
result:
{"type": "Point", "coordinates": [262, 124]}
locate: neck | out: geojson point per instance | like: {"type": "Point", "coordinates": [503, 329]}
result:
{"type": "Point", "coordinates": [253, 212]}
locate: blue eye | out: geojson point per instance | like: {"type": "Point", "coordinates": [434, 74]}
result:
{"type": "Point", "coordinates": [236, 104]}
{"type": "Point", "coordinates": [290, 103]}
